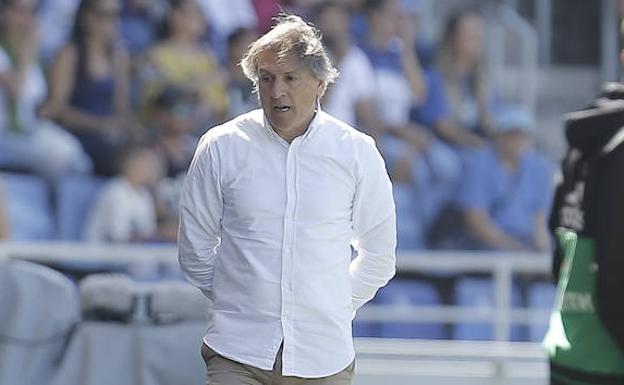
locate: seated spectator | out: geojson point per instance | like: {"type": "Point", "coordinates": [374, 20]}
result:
{"type": "Point", "coordinates": [240, 89]}
{"type": "Point", "coordinates": [89, 85]}
{"type": "Point", "coordinates": [172, 120]}
{"type": "Point", "coordinates": [352, 97]}
{"type": "Point", "coordinates": [55, 19]}
{"type": "Point", "coordinates": [460, 61]}
{"type": "Point", "coordinates": [421, 167]}
{"type": "Point", "coordinates": [4, 217]}
{"type": "Point", "coordinates": [506, 190]}
{"type": "Point", "coordinates": [28, 143]}
{"type": "Point", "coordinates": [266, 10]}
{"type": "Point", "coordinates": [182, 60]}
{"type": "Point", "coordinates": [125, 210]}
{"type": "Point", "coordinates": [139, 19]}
{"type": "Point", "coordinates": [227, 16]}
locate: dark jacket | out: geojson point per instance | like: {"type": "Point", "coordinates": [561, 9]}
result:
{"type": "Point", "coordinates": [590, 199]}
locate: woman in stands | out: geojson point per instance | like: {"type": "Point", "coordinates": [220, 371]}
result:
{"type": "Point", "coordinates": [89, 85]}
{"type": "Point", "coordinates": [181, 59]}
{"type": "Point", "coordinates": [28, 143]}
{"type": "Point", "coordinates": [461, 63]}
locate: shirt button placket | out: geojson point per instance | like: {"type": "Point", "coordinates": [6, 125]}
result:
{"type": "Point", "coordinates": [287, 254]}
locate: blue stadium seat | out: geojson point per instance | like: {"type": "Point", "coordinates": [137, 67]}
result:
{"type": "Point", "coordinates": [479, 294]}
{"type": "Point", "coordinates": [410, 292]}
{"type": "Point", "coordinates": [74, 196]}
{"type": "Point", "coordinates": [541, 296]}
{"type": "Point", "coordinates": [28, 204]}
{"type": "Point", "coordinates": [366, 328]}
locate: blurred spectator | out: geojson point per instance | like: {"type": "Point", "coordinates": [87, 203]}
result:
{"type": "Point", "coordinates": [56, 20]}
{"type": "Point", "coordinates": [125, 210]}
{"type": "Point", "coordinates": [240, 89]}
{"type": "Point", "coordinates": [506, 189]}
{"type": "Point", "coordinates": [226, 16]}
{"type": "Point", "coordinates": [89, 85]}
{"type": "Point", "coordinates": [266, 10]}
{"type": "Point", "coordinates": [180, 59]}
{"type": "Point", "coordinates": [28, 143]}
{"type": "Point", "coordinates": [461, 63]}
{"type": "Point", "coordinates": [139, 20]}
{"type": "Point", "coordinates": [4, 217]}
{"type": "Point", "coordinates": [423, 169]}
{"type": "Point", "coordinates": [172, 119]}
{"type": "Point", "coordinates": [352, 97]}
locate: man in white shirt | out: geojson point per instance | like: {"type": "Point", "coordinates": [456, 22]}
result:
{"type": "Point", "coordinates": [272, 204]}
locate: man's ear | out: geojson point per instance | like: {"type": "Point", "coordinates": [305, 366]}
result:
{"type": "Point", "coordinates": [320, 90]}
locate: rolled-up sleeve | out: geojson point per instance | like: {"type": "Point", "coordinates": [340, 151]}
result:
{"type": "Point", "coordinates": [374, 227]}
{"type": "Point", "coordinates": [201, 210]}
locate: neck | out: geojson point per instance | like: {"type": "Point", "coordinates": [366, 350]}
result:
{"type": "Point", "coordinates": [95, 44]}
{"type": "Point", "coordinates": [290, 135]}
{"type": "Point", "coordinates": [510, 162]}
{"type": "Point", "coordinates": [379, 39]}
{"type": "Point", "coordinates": [463, 65]}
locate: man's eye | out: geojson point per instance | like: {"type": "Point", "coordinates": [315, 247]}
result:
{"type": "Point", "coordinates": [265, 78]}
{"type": "Point", "coordinates": [291, 78]}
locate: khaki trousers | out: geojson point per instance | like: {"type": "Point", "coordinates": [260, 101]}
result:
{"type": "Point", "coordinates": [223, 371]}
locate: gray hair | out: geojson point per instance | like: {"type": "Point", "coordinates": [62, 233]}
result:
{"type": "Point", "coordinates": [292, 35]}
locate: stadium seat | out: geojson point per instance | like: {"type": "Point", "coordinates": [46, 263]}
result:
{"type": "Point", "coordinates": [74, 196]}
{"type": "Point", "coordinates": [28, 205]}
{"type": "Point", "coordinates": [365, 328]}
{"type": "Point", "coordinates": [38, 309]}
{"type": "Point", "coordinates": [410, 293]}
{"type": "Point", "coordinates": [479, 294]}
{"type": "Point", "coordinates": [541, 297]}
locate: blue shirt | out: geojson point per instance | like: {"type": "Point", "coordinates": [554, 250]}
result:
{"type": "Point", "coordinates": [512, 199]}
{"type": "Point", "coordinates": [435, 107]}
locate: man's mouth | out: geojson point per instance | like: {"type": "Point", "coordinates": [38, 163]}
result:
{"type": "Point", "coordinates": [281, 108]}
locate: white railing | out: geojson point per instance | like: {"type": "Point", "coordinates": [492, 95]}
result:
{"type": "Point", "coordinates": [502, 267]}
{"type": "Point", "coordinates": [403, 362]}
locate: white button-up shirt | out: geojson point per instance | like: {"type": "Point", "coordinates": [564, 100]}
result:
{"type": "Point", "coordinates": [266, 231]}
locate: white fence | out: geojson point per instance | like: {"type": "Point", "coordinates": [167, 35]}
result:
{"type": "Point", "coordinates": [502, 267]}
{"type": "Point", "coordinates": [390, 361]}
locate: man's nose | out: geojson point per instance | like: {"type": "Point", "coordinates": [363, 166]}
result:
{"type": "Point", "coordinates": [278, 88]}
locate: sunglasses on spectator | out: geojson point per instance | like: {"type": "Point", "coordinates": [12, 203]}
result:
{"type": "Point", "coordinates": [183, 110]}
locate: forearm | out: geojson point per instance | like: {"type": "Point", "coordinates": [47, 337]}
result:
{"type": "Point", "coordinates": [374, 227]}
{"type": "Point", "coordinates": [77, 120]}
{"type": "Point", "coordinates": [196, 263]}
{"type": "Point", "coordinates": [484, 230]}
{"type": "Point", "coordinates": [541, 236]}
{"type": "Point", "coordinates": [372, 269]}
{"type": "Point", "coordinates": [13, 81]}
{"type": "Point", "coordinates": [451, 133]}
{"type": "Point", "coordinates": [414, 75]}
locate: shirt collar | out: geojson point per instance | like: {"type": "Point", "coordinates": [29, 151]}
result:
{"type": "Point", "coordinates": [312, 128]}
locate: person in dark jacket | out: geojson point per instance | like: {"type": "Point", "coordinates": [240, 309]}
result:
{"type": "Point", "coordinates": [586, 334]}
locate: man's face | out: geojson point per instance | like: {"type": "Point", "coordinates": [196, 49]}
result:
{"type": "Point", "coordinates": [333, 23]}
{"type": "Point", "coordinates": [512, 144]}
{"type": "Point", "coordinates": [288, 93]}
